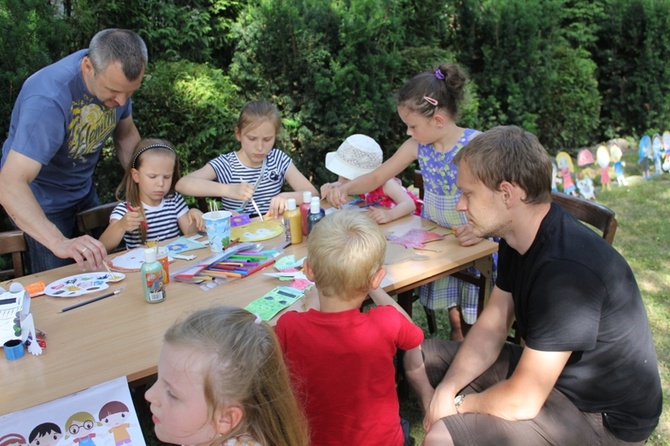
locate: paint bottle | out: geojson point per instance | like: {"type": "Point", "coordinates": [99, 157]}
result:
{"type": "Point", "coordinates": [153, 283]}
{"type": "Point", "coordinates": [304, 209]}
{"type": "Point", "coordinates": [163, 258]}
{"type": "Point", "coordinates": [315, 214]}
{"type": "Point", "coordinates": [293, 223]}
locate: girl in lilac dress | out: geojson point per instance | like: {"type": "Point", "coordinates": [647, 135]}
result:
{"type": "Point", "coordinates": [428, 104]}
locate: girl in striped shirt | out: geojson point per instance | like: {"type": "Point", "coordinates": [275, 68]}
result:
{"type": "Point", "coordinates": [152, 210]}
{"type": "Point", "coordinates": [254, 173]}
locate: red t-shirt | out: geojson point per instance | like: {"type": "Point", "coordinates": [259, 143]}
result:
{"type": "Point", "coordinates": [342, 368]}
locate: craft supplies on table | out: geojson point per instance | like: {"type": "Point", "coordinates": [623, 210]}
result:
{"type": "Point", "coordinates": [292, 222]}
{"type": "Point", "coordinates": [80, 284]}
{"type": "Point", "coordinates": [90, 301]}
{"type": "Point", "coordinates": [153, 278]}
{"type": "Point", "coordinates": [188, 273]}
{"type": "Point", "coordinates": [239, 265]}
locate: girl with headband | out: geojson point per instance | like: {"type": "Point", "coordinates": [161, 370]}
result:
{"type": "Point", "coordinates": [429, 105]}
{"type": "Point", "coordinates": [150, 209]}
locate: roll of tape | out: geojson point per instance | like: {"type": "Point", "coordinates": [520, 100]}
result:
{"type": "Point", "coordinates": [14, 349]}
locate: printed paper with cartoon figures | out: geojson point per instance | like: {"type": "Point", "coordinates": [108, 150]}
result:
{"type": "Point", "coordinates": [102, 415]}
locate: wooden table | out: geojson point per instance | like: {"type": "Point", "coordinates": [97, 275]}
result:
{"type": "Point", "coordinates": [122, 335]}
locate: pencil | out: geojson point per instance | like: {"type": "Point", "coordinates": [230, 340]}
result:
{"type": "Point", "coordinates": [81, 304]}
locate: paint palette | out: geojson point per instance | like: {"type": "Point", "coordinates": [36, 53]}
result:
{"type": "Point", "coordinates": [81, 284]}
{"type": "Point", "coordinates": [257, 231]}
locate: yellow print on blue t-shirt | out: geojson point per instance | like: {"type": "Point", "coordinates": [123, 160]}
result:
{"type": "Point", "coordinates": [89, 128]}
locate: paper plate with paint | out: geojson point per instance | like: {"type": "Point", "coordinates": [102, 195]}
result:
{"type": "Point", "coordinates": [257, 231]}
{"type": "Point", "coordinates": [80, 284]}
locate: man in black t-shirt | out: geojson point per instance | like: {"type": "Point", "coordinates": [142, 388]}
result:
{"type": "Point", "coordinates": [588, 373]}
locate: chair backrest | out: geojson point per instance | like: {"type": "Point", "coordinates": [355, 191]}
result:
{"type": "Point", "coordinates": [418, 182]}
{"type": "Point", "coordinates": [594, 214]}
{"type": "Point", "coordinates": [14, 243]}
{"type": "Point", "coordinates": [93, 221]}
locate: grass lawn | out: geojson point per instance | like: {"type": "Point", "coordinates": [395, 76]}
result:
{"type": "Point", "coordinates": [643, 238]}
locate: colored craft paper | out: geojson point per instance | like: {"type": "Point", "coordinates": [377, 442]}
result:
{"type": "Point", "coordinates": [183, 244]}
{"type": "Point", "coordinates": [274, 301]}
{"type": "Point", "coordinates": [398, 253]}
{"type": "Point", "coordinates": [415, 238]}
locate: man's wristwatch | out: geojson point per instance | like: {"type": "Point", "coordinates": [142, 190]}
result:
{"type": "Point", "coordinates": [458, 401]}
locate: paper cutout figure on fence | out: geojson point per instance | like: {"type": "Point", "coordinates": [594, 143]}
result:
{"type": "Point", "coordinates": [555, 178]}
{"type": "Point", "coordinates": [567, 168]}
{"type": "Point", "coordinates": [603, 157]}
{"type": "Point", "coordinates": [587, 173]}
{"type": "Point", "coordinates": [657, 153]}
{"type": "Point", "coordinates": [16, 321]}
{"type": "Point", "coordinates": [666, 147]}
{"type": "Point", "coordinates": [615, 156]}
{"type": "Point", "coordinates": [586, 189]}
{"type": "Point", "coordinates": [645, 156]}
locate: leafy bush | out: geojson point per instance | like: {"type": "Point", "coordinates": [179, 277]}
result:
{"type": "Point", "coordinates": [32, 37]}
{"type": "Point", "coordinates": [195, 30]}
{"type": "Point", "coordinates": [526, 72]}
{"type": "Point", "coordinates": [633, 73]}
{"type": "Point", "coordinates": [333, 69]}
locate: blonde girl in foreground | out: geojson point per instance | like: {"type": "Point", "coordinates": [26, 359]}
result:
{"type": "Point", "coordinates": [222, 381]}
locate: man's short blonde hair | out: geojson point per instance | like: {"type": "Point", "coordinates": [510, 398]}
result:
{"type": "Point", "coordinates": [345, 250]}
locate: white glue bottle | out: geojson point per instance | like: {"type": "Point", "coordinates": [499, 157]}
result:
{"type": "Point", "coordinates": [315, 213]}
{"type": "Point", "coordinates": [153, 280]}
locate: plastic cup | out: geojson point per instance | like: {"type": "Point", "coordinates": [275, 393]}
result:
{"type": "Point", "coordinates": [14, 349]}
{"type": "Point", "coordinates": [218, 229]}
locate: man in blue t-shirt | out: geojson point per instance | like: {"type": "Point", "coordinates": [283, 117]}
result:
{"type": "Point", "coordinates": [588, 373]}
{"type": "Point", "coordinates": [62, 118]}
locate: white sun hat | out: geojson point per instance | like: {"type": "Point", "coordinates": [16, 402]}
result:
{"type": "Point", "coordinates": [356, 156]}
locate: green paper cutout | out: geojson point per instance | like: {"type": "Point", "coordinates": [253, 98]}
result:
{"type": "Point", "coordinates": [275, 300]}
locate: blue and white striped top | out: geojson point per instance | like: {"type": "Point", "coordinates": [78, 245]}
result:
{"type": "Point", "coordinates": [161, 219]}
{"type": "Point", "coordinates": [230, 170]}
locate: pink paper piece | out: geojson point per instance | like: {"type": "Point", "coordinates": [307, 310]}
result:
{"type": "Point", "coordinates": [301, 284]}
{"type": "Point", "coordinates": [415, 238]}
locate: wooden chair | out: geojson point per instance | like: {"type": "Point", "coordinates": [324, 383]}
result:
{"type": "Point", "coordinates": [94, 221]}
{"type": "Point", "coordinates": [592, 214]}
{"type": "Point", "coordinates": [14, 243]}
{"type": "Point", "coordinates": [589, 212]}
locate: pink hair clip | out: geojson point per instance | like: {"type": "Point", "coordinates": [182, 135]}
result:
{"type": "Point", "coordinates": [430, 100]}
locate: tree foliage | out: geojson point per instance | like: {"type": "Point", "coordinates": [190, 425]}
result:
{"type": "Point", "coordinates": [633, 70]}
{"type": "Point", "coordinates": [32, 37]}
{"type": "Point", "coordinates": [572, 71]}
{"type": "Point", "coordinates": [526, 72]}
